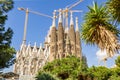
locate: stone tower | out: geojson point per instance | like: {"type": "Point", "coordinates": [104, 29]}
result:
{"type": "Point", "coordinates": [60, 35]}
{"type": "Point", "coordinates": [53, 41]}
{"type": "Point", "coordinates": [64, 41]}
{"type": "Point", "coordinates": [72, 36]}
{"type": "Point", "coordinates": [78, 41]}
{"type": "Point", "coordinates": [67, 45]}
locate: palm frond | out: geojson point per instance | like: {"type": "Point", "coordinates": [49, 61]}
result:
{"type": "Point", "coordinates": [113, 7]}
{"type": "Point", "coordinates": [98, 30]}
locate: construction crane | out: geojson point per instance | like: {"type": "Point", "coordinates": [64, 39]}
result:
{"type": "Point", "coordinates": [73, 5]}
{"type": "Point", "coordinates": [64, 12]}
{"type": "Point", "coordinates": [68, 9]}
{"type": "Point", "coordinates": [26, 20]}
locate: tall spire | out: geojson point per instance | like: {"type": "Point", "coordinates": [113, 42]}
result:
{"type": "Point", "coordinates": [54, 17]}
{"type": "Point", "coordinates": [35, 44]}
{"type": "Point", "coordinates": [52, 39]}
{"type": "Point", "coordinates": [77, 29]}
{"type": "Point", "coordinates": [60, 16]}
{"type": "Point", "coordinates": [40, 45]}
{"type": "Point", "coordinates": [28, 48]}
{"type": "Point", "coordinates": [60, 37]}
{"type": "Point", "coordinates": [72, 35]}
{"type": "Point", "coordinates": [66, 21]}
{"type": "Point", "coordinates": [78, 41]}
{"type": "Point", "coordinates": [71, 19]}
{"type": "Point", "coordinates": [40, 50]}
{"type": "Point", "coordinates": [35, 47]}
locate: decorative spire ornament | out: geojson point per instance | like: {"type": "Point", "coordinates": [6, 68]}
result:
{"type": "Point", "coordinates": [54, 18]}
{"type": "Point", "coordinates": [40, 45]}
{"type": "Point", "coordinates": [77, 29]}
{"type": "Point", "coordinates": [71, 19]}
{"type": "Point", "coordinates": [60, 16]}
{"type": "Point", "coordinates": [35, 47]}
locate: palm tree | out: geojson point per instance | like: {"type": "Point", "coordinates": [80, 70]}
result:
{"type": "Point", "coordinates": [97, 29]}
{"type": "Point", "coordinates": [113, 7]}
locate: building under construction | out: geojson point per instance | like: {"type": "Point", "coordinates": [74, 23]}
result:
{"type": "Point", "coordinates": [62, 40]}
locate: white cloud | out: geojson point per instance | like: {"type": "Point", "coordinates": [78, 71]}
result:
{"type": "Point", "coordinates": [101, 54]}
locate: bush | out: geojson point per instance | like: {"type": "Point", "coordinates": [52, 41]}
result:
{"type": "Point", "coordinates": [114, 77]}
{"type": "Point", "coordinates": [44, 76]}
{"type": "Point", "coordinates": [117, 61]}
{"type": "Point", "coordinates": [65, 68]}
{"type": "Point", "coordinates": [99, 73]}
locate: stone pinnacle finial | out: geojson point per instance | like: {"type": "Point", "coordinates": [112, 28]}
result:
{"type": "Point", "coordinates": [71, 19]}
{"type": "Point", "coordinates": [77, 29]}
{"type": "Point", "coordinates": [29, 44]}
{"type": "Point", "coordinates": [60, 16]}
{"type": "Point", "coordinates": [35, 44]}
{"type": "Point", "coordinates": [35, 47]}
{"type": "Point", "coordinates": [54, 17]}
{"type": "Point", "coordinates": [40, 45]}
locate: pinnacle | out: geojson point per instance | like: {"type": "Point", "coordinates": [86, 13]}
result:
{"type": "Point", "coordinates": [77, 29]}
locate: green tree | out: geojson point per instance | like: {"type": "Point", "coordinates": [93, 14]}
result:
{"type": "Point", "coordinates": [117, 61]}
{"type": "Point", "coordinates": [97, 29]}
{"type": "Point", "coordinates": [66, 68]}
{"type": "Point", "coordinates": [44, 76]}
{"type": "Point", "coordinates": [114, 77]}
{"type": "Point", "coordinates": [6, 51]}
{"type": "Point", "coordinates": [115, 73]}
{"type": "Point", "coordinates": [99, 73]}
{"type": "Point", "coordinates": [113, 7]}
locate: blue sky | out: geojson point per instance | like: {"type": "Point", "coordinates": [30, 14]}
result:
{"type": "Point", "coordinates": [39, 25]}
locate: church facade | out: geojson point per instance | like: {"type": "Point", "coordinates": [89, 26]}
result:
{"type": "Point", "coordinates": [61, 41]}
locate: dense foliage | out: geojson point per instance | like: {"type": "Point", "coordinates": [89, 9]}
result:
{"type": "Point", "coordinates": [115, 73]}
{"type": "Point", "coordinates": [117, 61]}
{"type": "Point", "coordinates": [71, 68]}
{"type": "Point", "coordinates": [65, 68]}
{"type": "Point", "coordinates": [6, 51]}
{"type": "Point", "coordinates": [99, 73]}
{"type": "Point", "coordinates": [44, 76]}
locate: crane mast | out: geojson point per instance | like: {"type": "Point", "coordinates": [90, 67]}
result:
{"type": "Point", "coordinates": [26, 20]}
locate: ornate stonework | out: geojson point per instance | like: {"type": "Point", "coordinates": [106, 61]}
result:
{"type": "Point", "coordinates": [58, 43]}
{"type": "Point", "coordinates": [30, 59]}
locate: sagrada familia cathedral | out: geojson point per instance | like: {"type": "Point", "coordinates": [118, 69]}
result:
{"type": "Point", "coordinates": [61, 41]}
